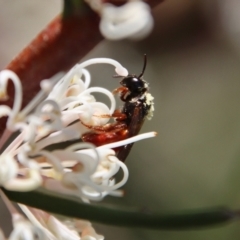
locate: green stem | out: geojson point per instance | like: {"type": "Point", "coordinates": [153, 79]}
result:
{"type": "Point", "coordinates": [72, 207]}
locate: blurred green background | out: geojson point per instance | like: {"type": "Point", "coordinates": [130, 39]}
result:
{"type": "Point", "coordinates": [194, 71]}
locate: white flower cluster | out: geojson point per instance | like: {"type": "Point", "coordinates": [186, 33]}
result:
{"type": "Point", "coordinates": [131, 20]}
{"type": "Point", "coordinates": [40, 225]}
{"type": "Point", "coordinates": [59, 113]}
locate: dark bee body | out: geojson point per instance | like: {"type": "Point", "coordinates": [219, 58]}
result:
{"type": "Point", "coordinates": [138, 105]}
{"type": "Point", "coordinates": [136, 112]}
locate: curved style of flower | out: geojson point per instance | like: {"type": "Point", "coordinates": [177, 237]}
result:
{"type": "Point", "coordinates": [60, 113]}
{"type": "Point", "coordinates": [132, 20]}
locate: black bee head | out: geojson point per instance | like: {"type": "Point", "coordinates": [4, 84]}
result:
{"type": "Point", "coordinates": [134, 84]}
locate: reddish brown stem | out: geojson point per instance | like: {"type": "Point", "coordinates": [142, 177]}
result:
{"type": "Point", "coordinates": [56, 48]}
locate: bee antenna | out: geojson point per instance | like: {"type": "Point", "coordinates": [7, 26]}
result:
{"type": "Point", "coordinates": [144, 66]}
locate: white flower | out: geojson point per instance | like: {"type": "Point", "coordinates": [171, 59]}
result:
{"type": "Point", "coordinates": [63, 111]}
{"type": "Point", "coordinates": [22, 227]}
{"type": "Point", "coordinates": [41, 225]}
{"type": "Point", "coordinates": [131, 20]}
{"type": "Point", "coordinates": [53, 228]}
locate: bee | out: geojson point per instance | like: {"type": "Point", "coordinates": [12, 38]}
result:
{"type": "Point", "coordinates": [138, 105]}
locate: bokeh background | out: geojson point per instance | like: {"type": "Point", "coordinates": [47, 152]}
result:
{"type": "Point", "coordinates": [194, 74]}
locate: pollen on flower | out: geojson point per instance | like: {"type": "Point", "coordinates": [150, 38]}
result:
{"type": "Point", "coordinates": [3, 95]}
{"type": "Point", "coordinates": [78, 167]}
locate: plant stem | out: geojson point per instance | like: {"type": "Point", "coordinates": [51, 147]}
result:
{"type": "Point", "coordinates": [72, 207]}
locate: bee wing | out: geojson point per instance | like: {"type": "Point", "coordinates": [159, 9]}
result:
{"type": "Point", "coordinates": [133, 129]}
